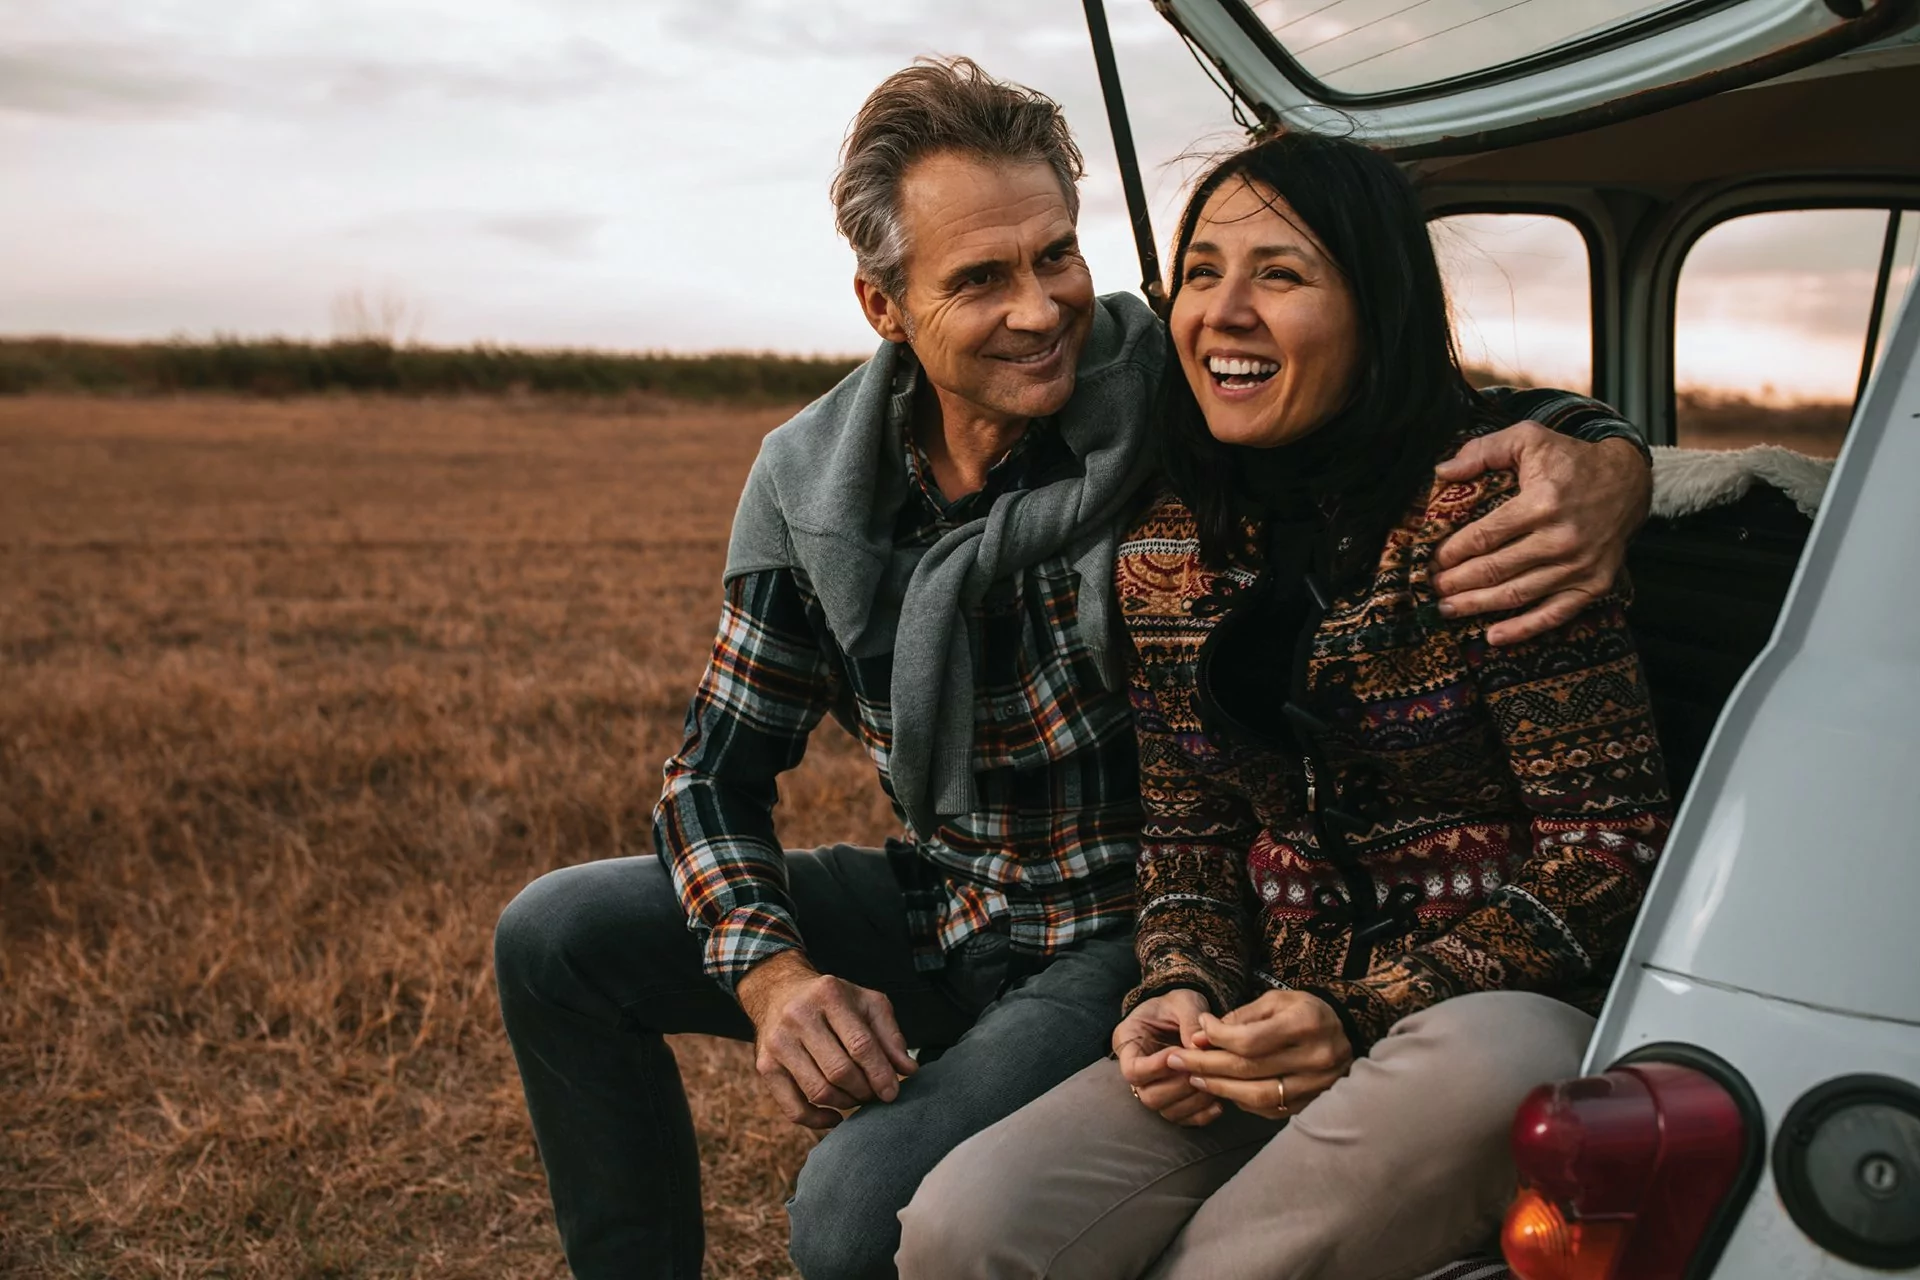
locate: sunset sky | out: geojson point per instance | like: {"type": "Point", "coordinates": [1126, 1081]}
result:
{"type": "Point", "coordinates": [603, 173]}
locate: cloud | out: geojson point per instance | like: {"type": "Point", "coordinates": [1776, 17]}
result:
{"type": "Point", "coordinates": [844, 29]}
{"type": "Point", "coordinates": [579, 69]}
{"type": "Point", "coordinates": [99, 80]}
{"type": "Point", "coordinates": [122, 81]}
{"type": "Point", "coordinates": [563, 234]}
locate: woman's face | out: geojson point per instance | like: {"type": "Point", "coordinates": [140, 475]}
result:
{"type": "Point", "coordinates": [1264, 323]}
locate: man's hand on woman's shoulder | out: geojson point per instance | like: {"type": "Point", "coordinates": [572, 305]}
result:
{"type": "Point", "coordinates": [1555, 546]}
{"type": "Point", "coordinates": [822, 1044]}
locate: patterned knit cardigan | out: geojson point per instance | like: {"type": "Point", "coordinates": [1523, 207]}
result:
{"type": "Point", "coordinates": [1462, 817]}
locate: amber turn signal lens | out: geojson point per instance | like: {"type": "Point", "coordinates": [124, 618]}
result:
{"type": "Point", "coordinates": [1540, 1244]}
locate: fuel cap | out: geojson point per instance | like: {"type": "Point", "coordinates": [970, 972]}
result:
{"type": "Point", "coordinates": [1847, 1163]}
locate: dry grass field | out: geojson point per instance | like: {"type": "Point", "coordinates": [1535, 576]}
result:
{"type": "Point", "coordinates": [294, 696]}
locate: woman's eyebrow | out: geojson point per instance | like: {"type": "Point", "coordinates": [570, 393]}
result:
{"type": "Point", "coordinates": [1259, 251]}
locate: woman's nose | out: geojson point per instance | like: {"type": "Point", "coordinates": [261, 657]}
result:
{"type": "Point", "coordinates": [1230, 306]}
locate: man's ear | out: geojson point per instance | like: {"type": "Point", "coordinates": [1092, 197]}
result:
{"type": "Point", "coordinates": [882, 312]}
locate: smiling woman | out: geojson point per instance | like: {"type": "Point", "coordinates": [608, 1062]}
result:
{"type": "Point", "coordinates": [1384, 862]}
{"type": "Point", "coordinates": [1264, 322]}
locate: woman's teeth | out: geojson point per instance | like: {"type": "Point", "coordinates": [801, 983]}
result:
{"type": "Point", "coordinates": [1240, 372]}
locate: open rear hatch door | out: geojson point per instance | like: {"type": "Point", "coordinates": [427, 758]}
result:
{"type": "Point", "coordinates": [1444, 77]}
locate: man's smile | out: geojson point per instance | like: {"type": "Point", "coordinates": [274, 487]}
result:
{"type": "Point", "coordinates": [1037, 358]}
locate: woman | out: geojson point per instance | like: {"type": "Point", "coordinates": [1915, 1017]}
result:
{"type": "Point", "coordinates": [1386, 868]}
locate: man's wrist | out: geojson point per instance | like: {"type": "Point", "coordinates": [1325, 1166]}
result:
{"type": "Point", "coordinates": [1631, 456]}
{"type": "Point", "coordinates": [752, 990]}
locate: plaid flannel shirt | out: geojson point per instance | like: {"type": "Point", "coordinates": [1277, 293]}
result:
{"type": "Point", "coordinates": [1048, 855]}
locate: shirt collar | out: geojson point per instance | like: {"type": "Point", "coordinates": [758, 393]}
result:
{"type": "Point", "coordinates": [1008, 473]}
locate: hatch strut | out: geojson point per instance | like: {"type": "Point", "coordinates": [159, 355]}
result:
{"type": "Point", "coordinates": [1887, 251]}
{"type": "Point", "coordinates": [1123, 149]}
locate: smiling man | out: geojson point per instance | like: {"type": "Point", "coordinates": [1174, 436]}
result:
{"type": "Point", "coordinates": [926, 552]}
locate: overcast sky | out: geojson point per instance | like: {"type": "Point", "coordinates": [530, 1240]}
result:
{"type": "Point", "coordinates": [628, 175]}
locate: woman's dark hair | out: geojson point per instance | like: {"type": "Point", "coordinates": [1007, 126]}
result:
{"type": "Point", "coordinates": [1409, 396]}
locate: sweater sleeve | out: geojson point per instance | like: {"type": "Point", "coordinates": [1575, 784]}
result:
{"type": "Point", "coordinates": [1193, 928]}
{"type": "Point", "coordinates": [1572, 717]}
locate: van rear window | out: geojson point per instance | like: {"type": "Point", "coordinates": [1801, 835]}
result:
{"type": "Point", "coordinates": [1370, 47]}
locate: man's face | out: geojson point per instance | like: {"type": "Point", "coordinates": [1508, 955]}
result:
{"type": "Point", "coordinates": [998, 300]}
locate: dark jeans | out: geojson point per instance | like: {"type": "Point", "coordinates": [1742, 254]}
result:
{"type": "Point", "coordinates": [596, 964]}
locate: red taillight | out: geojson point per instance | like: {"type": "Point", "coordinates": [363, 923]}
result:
{"type": "Point", "coordinates": [1622, 1174]}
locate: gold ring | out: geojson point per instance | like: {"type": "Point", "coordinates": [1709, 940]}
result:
{"type": "Point", "coordinates": [1134, 1089]}
{"type": "Point", "coordinates": [1281, 1084]}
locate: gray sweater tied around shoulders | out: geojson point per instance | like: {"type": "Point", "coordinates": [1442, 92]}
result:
{"type": "Point", "coordinates": [827, 488]}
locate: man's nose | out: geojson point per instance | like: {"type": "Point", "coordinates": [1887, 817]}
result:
{"type": "Point", "coordinates": [1033, 310]}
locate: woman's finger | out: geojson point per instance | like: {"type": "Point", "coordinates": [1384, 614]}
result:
{"type": "Point", "coordinates": [1140, 1066]}
{"type": "Point", "coordinates": [1167, 1093]}
{"type": "Point", "coordinates": [1255, 1036]}
{"type": "Point", "coordinates": [1263, 1097]}
{"type": "Point", "coordinates": [1260, 1097]}
{"type": "Point", "coordinates": [1194, 1110]}
{"type": "Point", "coordinates": [1223, 1063]}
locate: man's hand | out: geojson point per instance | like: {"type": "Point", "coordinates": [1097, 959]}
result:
{"type": "Point", "coordinates": [1558, 544]}
{"type": "Point", "coordinates": [1284, 1037]}
{"type": "Point", "coordinates": [822, 1044]}
{"type": "Point", "coordinates": [1143, 1041]}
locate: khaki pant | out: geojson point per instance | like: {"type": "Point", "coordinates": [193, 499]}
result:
{"type": "Point", "coordinates": [1399, 1168]}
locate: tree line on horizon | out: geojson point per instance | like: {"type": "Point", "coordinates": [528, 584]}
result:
{"type": "Point", "coordinates": [282, 367]}
{"type": "Point", "coordinates": [373, 364]}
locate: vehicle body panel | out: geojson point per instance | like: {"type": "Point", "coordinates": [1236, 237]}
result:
{"type": "Point", "coordinates": [1783, 1050]}
{"type": "Point", "coordinates": [1801, 825]}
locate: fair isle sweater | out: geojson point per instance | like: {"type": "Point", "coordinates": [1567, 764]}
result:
{"type": "Point", "coordinates": [1445, 817]}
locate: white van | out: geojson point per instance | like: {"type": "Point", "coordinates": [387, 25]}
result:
{"type": "Point", "coordinates": [1750, 1110]}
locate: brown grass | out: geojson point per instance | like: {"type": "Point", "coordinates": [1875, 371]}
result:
{"type": "Point", "coordinates": [293, 698]}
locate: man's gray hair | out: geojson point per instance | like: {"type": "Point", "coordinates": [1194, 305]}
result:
{"type": "Point", "coordinates": [946, 104]}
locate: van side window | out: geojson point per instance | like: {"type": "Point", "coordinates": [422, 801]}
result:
{"type": "Point", "coordinates": [1778, 316]}
{"type": "Point", "coordinates": [1521, 286]}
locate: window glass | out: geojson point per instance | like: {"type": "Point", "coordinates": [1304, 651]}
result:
{"type": "Point", "coordinates": [1385, 46]}
{"type": "Point", "coordinates": [1770, 324]}
{"type": "Point", "coordinates": [1522, 296]}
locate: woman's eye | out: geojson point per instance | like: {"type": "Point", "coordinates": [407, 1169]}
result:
{"type": "Point", "coordinates": [1197, 273]}
{"type": "Point", "coordinates": [1287, 274]}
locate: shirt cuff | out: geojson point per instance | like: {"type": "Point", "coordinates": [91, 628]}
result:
{"type": "Point", "coordinates": [1599, 429]}
{"type": "Point", "coordinates": [743, 938]}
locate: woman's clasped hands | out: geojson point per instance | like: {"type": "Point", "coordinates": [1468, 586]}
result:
{"type": "Point", "coordinates": [1269, 1057]}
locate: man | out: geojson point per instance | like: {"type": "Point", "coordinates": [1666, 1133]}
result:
{"type": "Point", "coordinates": [926, 552]}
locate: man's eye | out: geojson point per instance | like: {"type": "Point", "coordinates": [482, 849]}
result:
{"type": "Point", "coordinates": [975, 279]}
